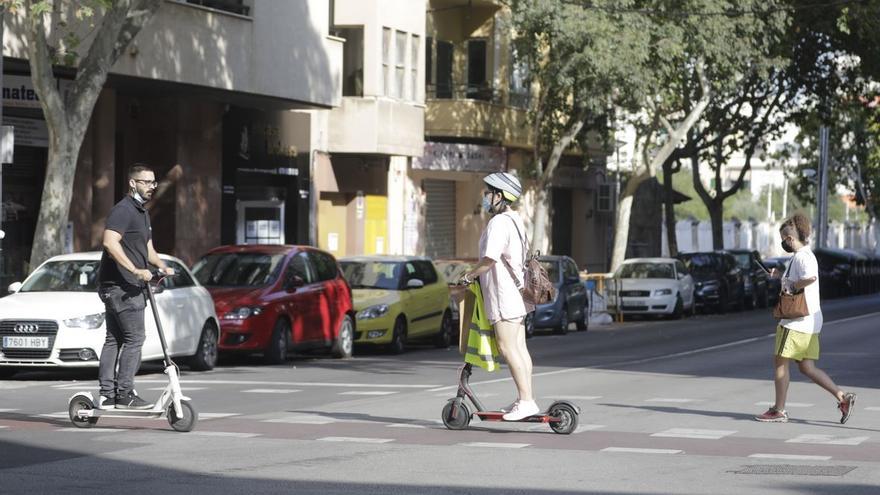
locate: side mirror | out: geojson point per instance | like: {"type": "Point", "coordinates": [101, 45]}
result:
{"type": "Point", "coordinates": [415, 284]}
{"type": "Point", "coordinates": [158, 288]}
{"type": "Point", "coordinates": [294, 283]}
{"type": "Point", "coordinates": [14, 287]}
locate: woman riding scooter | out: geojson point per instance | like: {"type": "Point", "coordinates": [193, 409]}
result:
{"type": "Point", "coordinates": [502, 252]}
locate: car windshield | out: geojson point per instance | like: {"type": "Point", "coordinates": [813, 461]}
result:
{"type": "Point", "coordinates": [701, 264]}
{"type": "Point", "coordinates": [452, 270]}
{"type": "Point", "coordinates": [372, 274]}
{"type": "Point", "coordinates": [237, 269]}
{"type": "Point", "coordinates": [64, 276]}
{"type": "Point", "coordinates": [743, 260]}
{"type": "Point", "coordinates": [646, 270]}
{"type": "Point", "coordinates": [552, 268]}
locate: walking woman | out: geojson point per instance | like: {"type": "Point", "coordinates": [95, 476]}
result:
{"type": "Point", "coordinates": [502, 253]}
{"type": "Point", "coordinates": [798, 339]}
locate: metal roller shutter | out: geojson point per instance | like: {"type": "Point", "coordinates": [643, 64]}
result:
{"type": "Point", "coordinates": [440, 218]}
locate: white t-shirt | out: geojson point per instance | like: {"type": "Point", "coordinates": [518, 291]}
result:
{"type": "Point", "coordinates": [804, 265]}
{"type": "Point", "coordinates": [501, 297]}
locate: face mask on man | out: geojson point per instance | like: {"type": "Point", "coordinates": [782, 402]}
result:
{"type": "Point", "coordinates": [137, 196]}
{"type": "Point", "coordinates": [786, 246]}
{"type": "Point", "coordinates": [488, 206]}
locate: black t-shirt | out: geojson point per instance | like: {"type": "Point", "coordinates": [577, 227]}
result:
{"type": "Point", "coordinates": [130, 219]}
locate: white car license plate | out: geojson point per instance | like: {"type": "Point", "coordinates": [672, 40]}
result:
{"type": "Point", "coordinates": [25, 342]}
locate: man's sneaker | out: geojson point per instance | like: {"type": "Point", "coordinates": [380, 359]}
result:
{"type": "Point", "coordinates": [846, 407]}
{"type": "Point", "coordinates": [523, 409]}
{"type": "Point", "coordinates": [773, 415]}
{"type": "Point", "coordinates": [509, 407]}
{"type": "Point", "coordinates": [131, 401]}
{"type": "Point", "coordinates": [105, 402]}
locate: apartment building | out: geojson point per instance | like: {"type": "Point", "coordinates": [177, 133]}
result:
{"type": "Point", "coordinates": [213, 94]}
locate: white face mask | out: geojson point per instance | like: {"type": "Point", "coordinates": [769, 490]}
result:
{"type": "Point", "coordinates": [137, 196]}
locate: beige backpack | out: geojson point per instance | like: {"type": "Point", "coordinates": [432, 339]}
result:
{"type": "Point", "coordinates": [536, 287]}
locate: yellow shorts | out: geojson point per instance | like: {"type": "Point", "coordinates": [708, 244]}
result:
{"type": "Point", "coordinates": [796, 345]}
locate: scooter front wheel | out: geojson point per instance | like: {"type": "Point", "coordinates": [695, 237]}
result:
{"type": "Point", "coordinates": [81, 403]}
{"type": "Point", "coordinates": [189, 419]}
{"type": "Point", "coordinates": [566, 419]}
{"type": "Point", "coordinates": [456, 415]}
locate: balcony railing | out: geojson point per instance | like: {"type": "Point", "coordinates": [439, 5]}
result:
{"type": "Point", "coordinates": [233, 6]}
{"type": "Point", "coordinates": [482, 92]}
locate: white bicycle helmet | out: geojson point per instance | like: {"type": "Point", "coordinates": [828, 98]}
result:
{"type": "Point", "coordinates": [508, 184]}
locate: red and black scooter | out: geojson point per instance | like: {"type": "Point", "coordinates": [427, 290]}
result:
{"type": "Point", "coordinates": [561, 416]}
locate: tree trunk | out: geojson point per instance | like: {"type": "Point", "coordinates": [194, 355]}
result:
{"type": "Point", "coordinates": [541, 214]}
{"type": "Point", "coordinates": [624, 213]}
{"type": "Point", "coordinates": [57, 194]}
{"type": "Point", "coordinates": [716, 215]}
{"type": "Point", "coordinates": [669, 208]}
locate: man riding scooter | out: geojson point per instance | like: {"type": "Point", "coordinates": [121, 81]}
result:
{"type": "Point", "coordinates": [128, 248]}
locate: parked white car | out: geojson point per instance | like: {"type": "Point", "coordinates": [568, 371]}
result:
{"type": "Point", "coordinates": [56, 319]}
{"type": "Point", "coordinates": [655, 286]}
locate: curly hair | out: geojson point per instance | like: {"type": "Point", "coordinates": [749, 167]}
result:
{"type": "Point", "coordinates": [798, 225]}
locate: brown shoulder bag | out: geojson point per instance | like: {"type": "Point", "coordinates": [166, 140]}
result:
{"type": "Point", "coordinates": [790, 306]}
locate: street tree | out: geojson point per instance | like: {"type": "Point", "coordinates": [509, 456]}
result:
{"type": "Point", "coordinates": [630, 60]}
{"type": "Point", "coordinates": [54, 32]}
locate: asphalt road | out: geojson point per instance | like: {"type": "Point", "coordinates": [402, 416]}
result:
{"type": "Point", "coordinates": [666, 407]}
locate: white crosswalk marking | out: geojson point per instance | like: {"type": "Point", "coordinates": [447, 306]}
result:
{"type": "Point", "coordinates": [2, 427]}
{"type": "Point", "coordinates": [791, 457]}
{"type": "Point", "coordinates": [187, 389]}
{"type": "Point", "coordinates": [233, 434]}
{"type": "Point", "coordinates": [356, 439]}
{"type": "Point", "coordinates": [827, 440]}
{"type": "Point", "coordinates": [694, 433]}
{"type": "Point", "coordinates": [672, 400]}
{"type": "Point", "coordinates": [641, 451]}
{"type": "Point", "coordinates": [302, 419]}
{"type": "Point", "coordinates": [271, 391]}
{"type": "Point", "coordinates": [7, 410]}
{"type": "Point", "coordinates": [788, 405]}
{"type": "Point", "coordinates": [90, 430]}
{"type": "Point", "coordinates": [498, 445]}
{"type": "Point", "coordinates": [208, 415]}
{"type": "Point", "coordinates": [575, 397]}
{"type": "Point", "coordinates": [367, 392]}
{"type": "Point", "coordinates": [872, 408]}
{"type": "Point", "coordinates": [405, 425]}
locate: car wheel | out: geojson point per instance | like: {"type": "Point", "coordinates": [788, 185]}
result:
{"type": "Point", "coordinates": [398, 337]}
{"type": "Point", "coordinates": [562, 329]}
{"type": "Point", "coordinates": [205, 357]}
{"type": "Point", "coordinates": [530, 325]}
{"type": "Point", "coordinates": [444, 337]}
{"type": "Point", "coordinates": [344, 344]}
{"type": "Point", "coordinates": [678, 310]}
{"type": "Point", "coordinates": [276, 351]}
{"type": "Point", "coordinates": [583, 322]}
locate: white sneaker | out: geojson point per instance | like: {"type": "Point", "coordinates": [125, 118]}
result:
{"type": "Point", "coordinates": [523, 409]}
{"type": "Point", "coordinates": [509, 407]}
{"type": "Point", "coordinates": [105, 402]}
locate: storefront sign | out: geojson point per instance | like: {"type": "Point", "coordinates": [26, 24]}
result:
{"type": "Point", "coordinates": [461, 158]}
{"type": "Point", "coordinates": [18, 91]}
{"type": "Point", "coordinates": [28, 132]}
{"type": "Point", "coordinates": [7, 144]}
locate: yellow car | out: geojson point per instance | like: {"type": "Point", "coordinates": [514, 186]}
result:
{"type": "Point", "coordinates": [398, 299]}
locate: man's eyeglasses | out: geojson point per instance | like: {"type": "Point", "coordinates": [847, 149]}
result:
{"type": "Point", "coordinates": [147, 182]}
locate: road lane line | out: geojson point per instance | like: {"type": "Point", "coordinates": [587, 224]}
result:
{"type": "Point", "coordinates": [694, 433]}
{"type": "Point", "coordinates": [672, 400]}
{"type": "Point", "coordinates": [302, 419]}
{"type": "Point", "coordinates": [827, 440]}
{"type": "Point", "coordinates": [356, 439]}
{"type": "Point", "coordinates": [641, 451]}
{"type": "Point", "coordinates": [208, 415]}
{"type": "Point", "coordinates": [791, 457]}
{"type": "Point", "coordinates": [367, 392]}
{"type": "Point", "coordinates": [90, 430]}
{"type": "Point", "coordinates": [271, 391]}
{"type": "Point", "coordinates": [3, 427]}
{"type": "Point", "coordinates": [405, 425]}
{"type": "Point", "coordinates": [794, 405]}
{"type": "Point", "coordinates": [7, 410]}
{"type": "Point", "coordinates": [866, 409]}
{"type": "Point", "coordinates": [495, 445]}
{"type": "Point", "coordinates": [233, 434]}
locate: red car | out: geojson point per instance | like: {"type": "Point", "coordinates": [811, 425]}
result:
{"type": "Point", "coordinates": [273, 299]}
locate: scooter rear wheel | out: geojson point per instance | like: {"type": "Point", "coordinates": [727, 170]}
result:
{"type": "Point", "coordinates": [189, 419]}
{"type": "Point", "coordinates": [567, 416]}
{"type": "Point", "coordinates": [81, 403]}
{"type": "Point", "coordinates": [456, 415]}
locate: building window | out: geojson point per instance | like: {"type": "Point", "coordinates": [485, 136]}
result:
{"type": "Point", "coordinates": [443, 85]}
{"type": "Point", "coordinates": [352, 61]}
{"type": "Point", "coordinates": [429, 61]}
{"type": "Point", "coordinates": [400, 64]}
{"type": "Point", "coordinates": [519, 75]}
{"type": "Point", "coordinates": [477, 84]}
{"type": "Point", "coordinates": [386, 61]}
{"type": "Point", "coordinates": [414, 67]}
